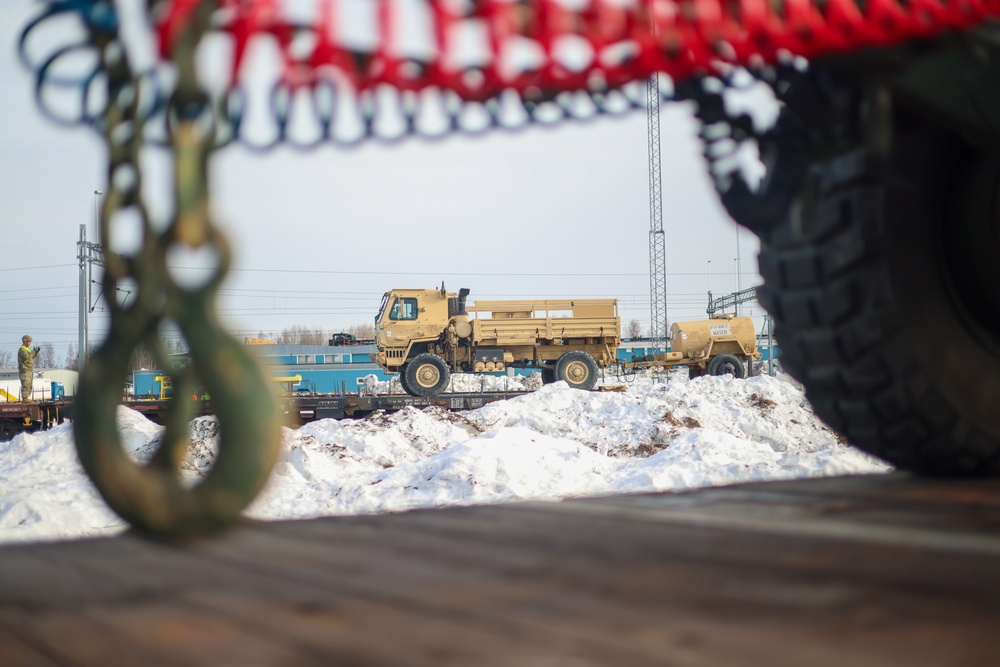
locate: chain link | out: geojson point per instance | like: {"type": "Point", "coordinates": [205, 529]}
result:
{"type": "Point", "coordinates": [154, 498]}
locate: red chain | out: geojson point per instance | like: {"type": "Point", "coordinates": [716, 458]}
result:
{"type": "Point", "coordinates": [690, 36]}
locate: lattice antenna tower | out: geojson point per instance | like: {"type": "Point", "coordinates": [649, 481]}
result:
{"type": "Point", "coordinates": [657, 244]}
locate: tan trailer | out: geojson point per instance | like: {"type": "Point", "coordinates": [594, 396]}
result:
{"type": "Point", "coordinates": [426, 334]}
{"type": "Point", "coordinates": [722, 345]}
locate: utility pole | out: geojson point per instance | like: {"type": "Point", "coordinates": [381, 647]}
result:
{"type": "Point", "coordinates": [87, 254]}
{"type": "Point", "coordinates": [770, 345]}
{"type": "Point", "coordinates": [739, 267]}
{"type": "Point", "coordinates": [657, 244]}
{"type": "Point", "coordinates": [81, 335]}
{"type": "Point", "coordinates": [716, 305]}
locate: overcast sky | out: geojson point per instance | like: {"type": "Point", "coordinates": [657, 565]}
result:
{"type": "Point", "coordinates": [318, 237]}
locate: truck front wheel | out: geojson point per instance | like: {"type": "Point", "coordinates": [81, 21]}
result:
{"type": "Point", "coordinates": [727, 364]}
{"type": "Point", "coordinates": [402, 379]}
{"type": "Point", "coordinates": [426, 375]}
{"type": "Point", "coordinates": [577, 369]}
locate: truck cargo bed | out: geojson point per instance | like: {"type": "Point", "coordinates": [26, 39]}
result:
{"type": "Point", "coordinates": [521, 322]}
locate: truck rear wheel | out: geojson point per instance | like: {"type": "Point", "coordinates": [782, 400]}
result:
{"type": "Point", "coordinates": [577, 369]}
{"type": "Point", "coordinates": [727, 364]}
{"type": "Point", "coordinates": [426, 375]}
{"type": "Point", "coordinates": [548, 375]}
{"type": "Point", "coordinates": [884, 292]}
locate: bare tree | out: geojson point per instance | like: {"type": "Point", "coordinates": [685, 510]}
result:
{"type": "Point", "coordinates": [362, 331]}
{"type": "Point", "coordinates": [302, 335]}
{"type": "Point", "coordinates": [174, 346]}
{"type": "Point", "coordinates": [290, 335]}
{"type": "Point", "coordinates": [72, 360]}
{"type": "Point", "coordinates": [46, 356]}
{"type": "Point", "coordinates": [6, 359]}
{"type": "Point", "coordinates": [634, 329]}
{"type": "Point", "coordinates": [144, 359]}
{"type": "Point", "coordinates": [317, 336]}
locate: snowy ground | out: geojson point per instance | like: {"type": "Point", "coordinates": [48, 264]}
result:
{"type": "Point", "coordinates": [550, 444]}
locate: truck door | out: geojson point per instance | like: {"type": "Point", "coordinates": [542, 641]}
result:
{"type": "Point", "coordinates": [402, 323]}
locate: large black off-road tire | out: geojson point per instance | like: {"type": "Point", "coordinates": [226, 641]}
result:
{"type": "Point", "coordinates": [727, 364]}
{"type": "Point", "coordinates": [402, 379]}
{"type": "Point", "coordinates": [426, 375]}
{"type": "Point", "coordinates": [548, 375]}
{"type": "Point", "coordinates": [885, 289]}
{"type": "Point", "coordinates": [577, 369]}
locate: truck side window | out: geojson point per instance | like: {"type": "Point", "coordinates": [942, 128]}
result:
{"type": "Point", "coordinates": [404, 309]}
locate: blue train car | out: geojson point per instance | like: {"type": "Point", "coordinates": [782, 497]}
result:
{"type": "Point", "coordinates": [321, 368]}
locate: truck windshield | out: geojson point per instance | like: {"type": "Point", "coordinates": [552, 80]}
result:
{"type": "Point", "coordinates": [381, 308]}
{"type": "Point", "coordinates": [404, 309]}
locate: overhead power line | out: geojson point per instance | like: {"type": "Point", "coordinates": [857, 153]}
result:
{"type": "Point", "coordinates": [35, 268]}
{"type": "Point", "coordinates": [454, 274]}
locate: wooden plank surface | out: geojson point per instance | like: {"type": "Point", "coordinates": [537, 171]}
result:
{"type": "Point", "coordinates": [875, 570]}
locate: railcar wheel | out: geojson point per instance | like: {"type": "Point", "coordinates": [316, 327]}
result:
{"type": "Point", "coordinates": [727, 364]}
{"type": "Point", "coordinates": [426, 375]}
{"type": "Point", "coordinates": [883, 286]}
{"type": "Point", "coordinates": [8, 429]}
{"type": "Point", "coordinates": [577, 369]}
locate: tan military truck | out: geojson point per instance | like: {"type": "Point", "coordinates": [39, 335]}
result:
{"type": "Point", "coordinates": [427, 334]}
{"type": "Point", "coordinates": [721, 345]}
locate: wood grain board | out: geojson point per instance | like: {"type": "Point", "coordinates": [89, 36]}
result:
{"type": "Point", "coordinates": [868, 570]}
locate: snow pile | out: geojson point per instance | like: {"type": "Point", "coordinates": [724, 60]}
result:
{"type": "Point", "coordinates": [461, 383]}
{"type": "Point", "coordinates": [45, 493]}
{"type": "Point", "coordinates": [550, 444]}
{"type": "Point", "coordinates": [203, 445]}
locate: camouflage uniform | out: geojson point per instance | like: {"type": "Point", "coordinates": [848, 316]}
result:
{"type": "Point", "coordinates": [26, 367]}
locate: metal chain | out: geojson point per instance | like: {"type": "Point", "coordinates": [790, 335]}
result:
{"type": "Point", "coordinates": [781, 149]}
{"type": "Point", "coordinates": [819, 116]}
{"type": "Point", "coordinates": [153, 497]}
{"type": "Point", "coordinates": [380, 114]}
{"type": "Point", "coordinates": [333, 94]}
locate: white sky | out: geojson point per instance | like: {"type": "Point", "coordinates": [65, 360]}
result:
{"type": "Point", "coordinates": [319, 237]}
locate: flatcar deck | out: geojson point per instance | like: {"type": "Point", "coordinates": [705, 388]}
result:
{"type": "Point", "coordinates": [302, 409]}
{"type": "Point", "coordinates": [874, 570]}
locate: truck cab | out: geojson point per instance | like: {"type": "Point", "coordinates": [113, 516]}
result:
{"type": "Point", "coordinates": [407, 317]}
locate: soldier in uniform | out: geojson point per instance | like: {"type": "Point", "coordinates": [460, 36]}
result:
{"type": "Point", "coordinates": [26, 366]}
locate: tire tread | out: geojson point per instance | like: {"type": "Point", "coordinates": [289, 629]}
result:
{"type": "Point", "coordinates": [830, 297]}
